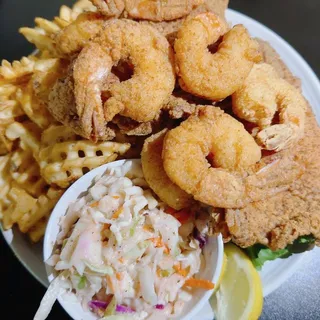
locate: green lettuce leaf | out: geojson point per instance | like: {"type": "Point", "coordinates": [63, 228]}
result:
{"type": "Point", "coordinates": [259, 253]}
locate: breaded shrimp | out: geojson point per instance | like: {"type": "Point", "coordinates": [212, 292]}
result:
{"type": "Point", "coordinates": [139, 98]}
{"type": "Point", "coordinates": [110, 8]}
{"type": "Point", "coordinates": [88, 74]}
{"type": "Point", "coordinates": [76, 35]}
{"type": "Point", "coordinates": [261, 97]}
{"type": "Point", "coordinates": [89, 124]}
{"type": "Point", "coordinates": [235, 178]}
{"type": "Point", "coordinates": [154, 10]}
{"type": "Point", "coordinates": [213, 76]}
{"type": "Point", "coordinates": [157, 178]}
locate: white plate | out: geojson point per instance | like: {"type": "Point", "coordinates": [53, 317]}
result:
{"type": "Point", "coordinates": [273, 273]}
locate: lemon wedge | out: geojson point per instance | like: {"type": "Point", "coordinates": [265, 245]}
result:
{"type": "Point", "coordinates": [239, 294]}
{"type": "Point", "coordinates": [223, 270]}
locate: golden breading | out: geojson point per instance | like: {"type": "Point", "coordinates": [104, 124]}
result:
{"type": "Point", "coordinates": [170, 28]}
{"type": "Point", "coordinates": [156, 177]}
{"type": "Point", "coordinates": [279, 220]}
{"type": "Point", "coordinates": [132, 128]}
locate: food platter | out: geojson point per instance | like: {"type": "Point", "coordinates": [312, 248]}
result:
{"type": "Point", "coordinates": [274, 273]}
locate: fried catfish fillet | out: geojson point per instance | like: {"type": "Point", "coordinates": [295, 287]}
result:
{"type": "Point", "coordinates": [279, 220]}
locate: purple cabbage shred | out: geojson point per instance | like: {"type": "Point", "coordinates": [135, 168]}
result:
{"type": "Point", "coordinates": [200, 237]}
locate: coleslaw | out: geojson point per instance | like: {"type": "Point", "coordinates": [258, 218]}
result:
{"type": "Point", "coordinates": [123, 254]}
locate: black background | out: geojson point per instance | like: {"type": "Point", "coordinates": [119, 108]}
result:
{"type": "Point", "coordinates": [297, 21]}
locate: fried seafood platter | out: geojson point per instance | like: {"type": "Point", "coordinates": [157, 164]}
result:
{"type": "Point", "coordinates": [218, 120]}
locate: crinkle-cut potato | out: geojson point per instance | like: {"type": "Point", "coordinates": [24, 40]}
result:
{"type": "Point", "coordinates": [16, 69]}
{"type": "Point", "coordinates": [5, 182]}
{"type": "Point", "coordinates": [25, 198]}
{"type": "Point", "coordinates": [64, 161]}
{"type": "Point", "coordinates": [5, 144]}
{"type": "Point", "coordinates": [9, 110]}
{"type": "Point", "coordinates": [19, 72]}
{"type": "Point", "coordinates": [71, 14]}
{"type": "Point", "coordinates": [27, 211]}
{"type": "Point", "coordinates": [36, 232]}
{"type": "Point", "coordinates": [6, 91]}
{"type": "Point", "coordinates": [9, 106]}
{"type": "Point", "coordinates": [20, 203]}
{"type": "Point", "coordinates": [28, 133]}
{"type": "Point", "coordinates": [56, 134]}
{"type": "Point", "coordinates": [25, 171]}
{"type": "Point", "coordinates": [42, 35]}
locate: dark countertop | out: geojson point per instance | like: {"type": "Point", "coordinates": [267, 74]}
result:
{"type": "Point", "coordinates": [295, 20]}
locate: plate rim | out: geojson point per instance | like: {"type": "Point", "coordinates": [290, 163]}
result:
{"type": "Point", "coordinates": [313, 92]}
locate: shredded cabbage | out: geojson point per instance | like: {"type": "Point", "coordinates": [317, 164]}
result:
{"type": "Point", "coordinates": [50, 297]}
{"type": "Point", "coordinates": [118, 241]}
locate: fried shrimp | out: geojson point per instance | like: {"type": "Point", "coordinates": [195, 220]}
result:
{"type": "Point", "coordinates": [213, 76]}
{"type": "Point", "coordinates": [157, 178]}
{"type": "Point", "coordinates": [110, 8]}
{"type": "Point", "coordinates": [263, 96]}
{"type": "Point", "coordinates": [154, 10]}
{"type": "Point", "coordinates": [63, 108]}
{"type": "Point", "coordinates": [142, 96]}
{"type": "Point", "coordinates": [76, 35]}
{"type": "Point", "coordinates": [235, 178]}
{"type": "Point", "coordinates": [88, 74]}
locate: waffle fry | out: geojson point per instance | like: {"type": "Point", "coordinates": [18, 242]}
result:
{"type": "Point", "coordinates": [5, 144]}
{"type": "Point", "coordinates": [9, 111]}
{"type": "Point", "coordinates": [20, 203]}
{"type": "Point", "coordinates": [36, 232]}
{"type": "Point", "coordinates": [39, 38]}
{"type": "Point", "coordinates": [28, 133]}
{"type": "Point", "coordinates": [64, 162]}
{"type": "Point", "coordinates": [7, 90]}
{"type": "Point", "coordinates": [27, 211]}
{"type": "Point", "coordinates": [42, 35]}
{"type": "Point", "coordinates": [25, 171]}
{"type": "Point", "coordinates": [17, 69]}
{"type": "Point", "coordinates": [56, 134]}
{"type": "Point", "coordinates": [25, 198]}
{"type": "Point", "coordinates": [71, 14]}
{"type": "Point", "coordinates": [5, 183]}
{"type": "Point", "coordinates": [42, 208]}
